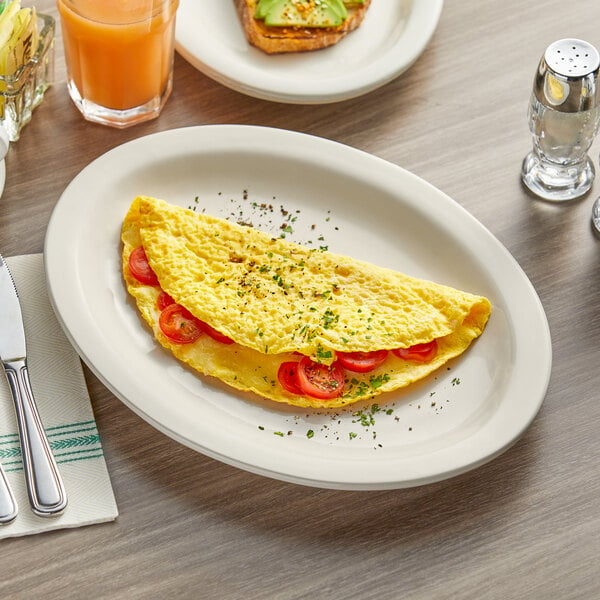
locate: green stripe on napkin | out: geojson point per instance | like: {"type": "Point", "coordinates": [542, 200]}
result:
{"type": "Point", "coordinates": [75, 441]}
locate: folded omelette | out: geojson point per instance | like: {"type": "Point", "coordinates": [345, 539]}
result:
{"type": "Point", "coordinates": [293, 324]}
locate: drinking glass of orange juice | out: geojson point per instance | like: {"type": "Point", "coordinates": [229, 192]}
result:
{"type": "Point", "coordinates": [119, 57]}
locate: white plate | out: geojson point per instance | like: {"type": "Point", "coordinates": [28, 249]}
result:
{"type": "Point", "coordinates": [359, 205]}
{"type": "Point", "coordinates": [390, 39]}
{"type": "Point", "coordinates": [2, 176]}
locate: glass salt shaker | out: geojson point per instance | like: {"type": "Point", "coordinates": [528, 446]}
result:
{"type": "Point", "coordinates": [564, 116]}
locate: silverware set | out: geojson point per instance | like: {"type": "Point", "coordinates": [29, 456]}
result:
{"type": "Point", "coordinates": [45, 488]}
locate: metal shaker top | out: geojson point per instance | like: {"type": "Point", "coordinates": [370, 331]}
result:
{"type": "Point", "coordinates": [567, 78]}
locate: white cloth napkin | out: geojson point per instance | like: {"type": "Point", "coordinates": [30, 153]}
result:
{"type": "Point", "coordinates": [61, 395]}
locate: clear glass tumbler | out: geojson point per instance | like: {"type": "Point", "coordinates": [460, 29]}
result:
{"type": "Point", "coordinates": [119, 57]}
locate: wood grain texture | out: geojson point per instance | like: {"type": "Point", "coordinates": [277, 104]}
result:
{"type": "Point", "coordinates": [526, 525]}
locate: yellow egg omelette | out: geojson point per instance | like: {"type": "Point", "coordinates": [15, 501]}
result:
{"type": "Point", "coordinates": [292, 324]}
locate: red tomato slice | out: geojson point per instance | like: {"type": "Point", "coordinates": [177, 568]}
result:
{"type": "Point", "coordinates": [179, 325]}
{"type": "Point", "coordinates": [287, 376]}
{"type": "Point", "coordinates": [139, 267]}
{"type": "Point", "coordinates": [320, 381]}
{"type": "Point", "coordinates": [418, 352]}
{"type": "Point", "coordinates": [214, 334]}
{"type": "Point", "coordinates": [164, 300]}
{"type": "Point", "coordinates": [361, 362]}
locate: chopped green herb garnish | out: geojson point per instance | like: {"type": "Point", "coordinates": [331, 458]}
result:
{"type": "Point", "coordinates": [329, 318]}
{"type": "Point", "coordinates": [323, 354]}
{"type": "Point", "coordinates": [377, 382]}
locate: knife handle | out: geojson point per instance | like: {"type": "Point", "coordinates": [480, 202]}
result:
{"type": "Point", "coordinates": [8, 505]}
{"type": "Point", "coordinates": [45, 488]}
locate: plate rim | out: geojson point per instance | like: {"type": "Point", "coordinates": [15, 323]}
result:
{"type": "Point", "coordinates": [423, 21]}
{"type": "Point", "coordinates": [247, 137]}
{"type": "Point", "coordinates": [2, 176]}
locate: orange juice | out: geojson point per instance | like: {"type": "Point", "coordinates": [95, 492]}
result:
{"type": "Point", "coordinates": [119, 53]}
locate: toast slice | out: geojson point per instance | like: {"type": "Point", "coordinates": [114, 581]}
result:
{"type": "Point", "coordinates": [275, 40]}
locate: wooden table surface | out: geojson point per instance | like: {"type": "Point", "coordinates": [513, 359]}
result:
{"type": "Point", "coordinates": [525, 525]}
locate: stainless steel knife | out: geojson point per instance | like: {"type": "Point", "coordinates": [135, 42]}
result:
{"type": "Point", "coordinates": [45, 488]}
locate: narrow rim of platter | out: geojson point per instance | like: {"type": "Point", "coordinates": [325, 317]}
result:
{"type": "Point", "coordinates": [2, 175]}
{"type": "Point", "coordinates": [480, 406]}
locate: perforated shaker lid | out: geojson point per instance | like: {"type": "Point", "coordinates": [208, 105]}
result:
{"type": "Point", "coordinates": [568, 76]}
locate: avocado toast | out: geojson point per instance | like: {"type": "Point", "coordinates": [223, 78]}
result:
{"type": "Point", "coordinates": [279, 26]}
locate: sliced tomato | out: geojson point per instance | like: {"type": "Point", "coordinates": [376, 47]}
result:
{"type": "Point", "coordinates": [287, 376]}
{"type": "Point", "coordinates": [418, 352]}
{"type": "Point", "coordinates": [361, 362]}
{"type": "Point", "coordinates": [320, 381]}
{"type": "Point", "coordinates": [164, 300]}
{"type": "Point", "coordinates": [139, 267]}
{"type": "Point", "coordinates": [214, 334]}
{"type": "Point", "coordinates": [179, 325]}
